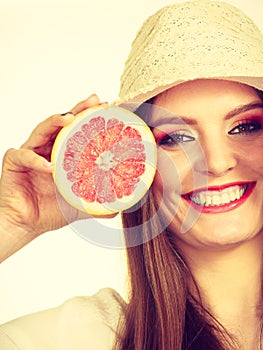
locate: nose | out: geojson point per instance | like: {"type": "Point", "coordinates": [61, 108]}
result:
{"type": "Point", "coordinates": [218, 158]}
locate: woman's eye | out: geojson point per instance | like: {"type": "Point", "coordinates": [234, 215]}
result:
{"type": "Point", "coordinates": [175, 139]}
{"type": "Point", "coordinates": [246, 128]}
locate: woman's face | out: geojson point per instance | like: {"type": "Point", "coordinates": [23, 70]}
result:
{"type": "Point", "coordinates": [209, 182]}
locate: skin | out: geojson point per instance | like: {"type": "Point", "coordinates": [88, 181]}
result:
{"type": "Point", "coordinates": [229, 158]}
{"type": "Point", "coordinates": [27, 195]}
{"type": "Point", "coordinates": [225, 255]}
{"type": "Point", "coordinates": [223, 249]}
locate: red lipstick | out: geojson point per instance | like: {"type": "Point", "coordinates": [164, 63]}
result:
{"type": "Point", "coordinates": [193, 198]}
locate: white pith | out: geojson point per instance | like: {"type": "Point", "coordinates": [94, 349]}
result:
{"type": "Point", "coordinates": [106, 161]}
{"type": "Point", "coordinates": [217, 198]}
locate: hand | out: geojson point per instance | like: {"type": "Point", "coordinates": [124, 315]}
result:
{"type": "Point", "coordinates": [28, 200]}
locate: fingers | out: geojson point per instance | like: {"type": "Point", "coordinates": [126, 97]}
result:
{"type": "Point", "coordinates": [32, 155]}
{"type": "Point", "coordinates": [46, 131]}
{"type": "Point", "coordinates": [91, 101]}
{"type": "Point", "coordinates": [23, 160]}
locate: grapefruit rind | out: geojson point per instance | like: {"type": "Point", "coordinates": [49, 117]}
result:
{"type": "Point", "coordinates": [62, 182]}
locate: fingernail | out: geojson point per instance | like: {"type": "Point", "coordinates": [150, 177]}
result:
{"type": "Point", "coordinates": [48, 164]}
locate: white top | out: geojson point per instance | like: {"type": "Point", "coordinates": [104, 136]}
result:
{"type": "Point", "coordinates": [81, 323]}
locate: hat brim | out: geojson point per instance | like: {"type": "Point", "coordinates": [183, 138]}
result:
{"type": "Point", "coordinates": [255, 82]}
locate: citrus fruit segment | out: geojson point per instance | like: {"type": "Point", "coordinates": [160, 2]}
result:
{"type": "Point", "coordinates": [105, 160]}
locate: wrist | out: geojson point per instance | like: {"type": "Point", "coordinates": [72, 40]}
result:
{"type": "Point", "coordinates": [12, 236]}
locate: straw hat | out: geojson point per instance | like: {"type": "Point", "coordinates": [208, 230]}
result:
{"type": "Point", "coordinates": [191, 40]}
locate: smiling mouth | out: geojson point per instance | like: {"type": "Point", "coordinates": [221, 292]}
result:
{"type": "Point", "coordinates": [221, 198]}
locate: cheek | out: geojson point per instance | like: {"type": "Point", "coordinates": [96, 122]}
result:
{"type": "Point", "coordinates": [175, 176]}
{"type": "Point", "coordinates": [172, 173]}
{"type": "Point", "coordinates": [250, 154]}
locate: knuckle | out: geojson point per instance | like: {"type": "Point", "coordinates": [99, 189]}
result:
{"type": "Point", "coordinates": [56, 120]}
{"type": "Point", "coordinates": [22, 157]}
{"type": "Point", "coordinates": [33, 160]}
{"type": "Point", "coordinates": [9, 158]}
{"type": "Point", "coordinates": [53, 118]}
{"type": "Point", "coordinates": [47, 122]}
{"type": "Point", "coordinates": [28, 158]}
{"type": "Point", "coordinates": [9, 154]}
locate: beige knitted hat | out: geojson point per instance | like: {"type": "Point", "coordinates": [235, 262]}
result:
{"type": "Point", "coordinates": [191, 40]}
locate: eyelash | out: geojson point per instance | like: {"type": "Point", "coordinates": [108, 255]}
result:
{"type": "Point", "coordinates": [247, 127]}
{"type": "Point", "coordinates": [174, 139]}
{"type": "Point", "coordinates": [243, 127]}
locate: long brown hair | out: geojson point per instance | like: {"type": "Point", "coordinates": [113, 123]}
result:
{"type": "Point", "coordinates": [162, 313]}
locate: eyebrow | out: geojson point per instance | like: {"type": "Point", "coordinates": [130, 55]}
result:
{"type": "Point", "coordinates": [243, 109]}
{"type": "Point", "coordinates": [173, 120]}
{"type": "Point", "coordinates": [180, 120]}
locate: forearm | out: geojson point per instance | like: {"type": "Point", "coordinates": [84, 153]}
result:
{"type": "Point", "coordinates": [12, 237]}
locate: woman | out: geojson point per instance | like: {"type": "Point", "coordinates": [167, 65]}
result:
{"type": "Point", "coordinates": [197, 283]}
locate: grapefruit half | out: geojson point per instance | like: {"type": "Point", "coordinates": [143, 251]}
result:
{"type": "Point", "coordinates": [105, 161]}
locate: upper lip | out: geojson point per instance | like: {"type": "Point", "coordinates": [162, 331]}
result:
{"type": "Point", "coordinates": [218, 188]}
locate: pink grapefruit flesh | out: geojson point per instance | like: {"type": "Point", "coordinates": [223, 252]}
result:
{"type": "Point", "coordinates": [105, 160]}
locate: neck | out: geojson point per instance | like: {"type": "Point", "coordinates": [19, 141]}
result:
{"type": "Point", "coordinates": [229, 282]}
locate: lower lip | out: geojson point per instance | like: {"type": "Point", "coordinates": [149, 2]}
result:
{"type": "Point", "coordinates": [224, 207]}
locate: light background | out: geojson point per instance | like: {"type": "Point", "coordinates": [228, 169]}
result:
{"type": "Point", "coordinates": [54, 53]}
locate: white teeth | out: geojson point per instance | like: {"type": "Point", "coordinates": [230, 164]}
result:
{"type": "Point", "coordinates": [202, 198]}
{"type": "Point", "coordinates": [225, 198]}
{"type": "Point", "coordinates": [208, 200]}
{"type": "Point", "coordinates": [216, 198]}
{"type": "Point", "coordinates": [232, 196]}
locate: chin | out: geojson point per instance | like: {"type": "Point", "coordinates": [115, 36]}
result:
{"type": "Point", "coordinates": [220, 236]}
